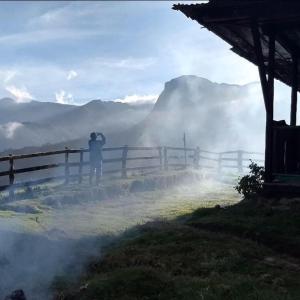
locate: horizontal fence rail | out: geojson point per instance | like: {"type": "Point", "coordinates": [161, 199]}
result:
{"type": "Point", "coordinates": [157, 158]}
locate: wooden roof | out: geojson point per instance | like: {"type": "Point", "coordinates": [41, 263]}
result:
{"type": "Point", "coordinates": [232, 19]}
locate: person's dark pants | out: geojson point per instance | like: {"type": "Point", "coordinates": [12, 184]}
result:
{"type": "Point", "coordinates": [96, 167]}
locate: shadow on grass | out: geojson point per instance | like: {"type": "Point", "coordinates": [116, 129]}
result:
{"type": "Point", "coordinates": [177, 260]}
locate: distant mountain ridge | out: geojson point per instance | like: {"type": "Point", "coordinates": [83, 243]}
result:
{"type": "Point", "coordinates": [33, 111]}
{"type": "Point", "coordinates": [213, 116]}
{"type": "Point", "coordinates": [38, 123]}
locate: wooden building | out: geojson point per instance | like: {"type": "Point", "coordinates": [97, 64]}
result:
{"type": "Point", "coordinates": [266, 33]}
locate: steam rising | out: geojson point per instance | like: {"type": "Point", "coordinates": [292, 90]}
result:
{"type": "Point", "coordinates": [9, 129]}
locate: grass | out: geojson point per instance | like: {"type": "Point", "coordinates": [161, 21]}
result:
{"type": "Point", "coordinates": [182, 260]}
{"type": "Point", "coordinates": [276, 228]}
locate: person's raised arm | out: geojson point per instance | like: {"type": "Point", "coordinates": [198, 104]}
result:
{"type": "Point", "coordinates": [103, 139]}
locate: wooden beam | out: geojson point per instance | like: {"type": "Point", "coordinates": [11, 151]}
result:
{"type": "Point", "coordinates": [260, 62]}
{"type": "Point", "coordinates": [268, 92]}
{"type": "Point", "coordinates": [270, 110]}
{"type": "Point", "coordinates": [294, 92]}
{"type": "Point", "coordinates": [271, 74]}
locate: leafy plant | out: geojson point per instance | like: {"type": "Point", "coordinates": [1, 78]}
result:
{"type": "Point", "coordinates": [251, 184]}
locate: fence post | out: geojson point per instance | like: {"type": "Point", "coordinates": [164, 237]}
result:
{"type": "Point", "coordinates": [160, 158]}
{"type": "Point", "coordinates": [166, 164]}
{"type": "Point", "coordinates": [240, 161]}
{"type": "Point", "coordinates": [220, 163]}
{"type": "Point", "coordinates": [11, 177]}
{"type": "Point", "coordinates": [80, 167]}
{"type": "Point", "coordinates": [124, 160]}
{"type": "Point", "coordinates": [67, 169]}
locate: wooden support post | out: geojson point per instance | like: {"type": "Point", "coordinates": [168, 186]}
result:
{"type": "Point", "coordinates": [80, 166]}
{"type": "Point", "coordinates": [240, 161]}
{"type": "Point", "coordinates": [124, 161]}
{"type": "Point", "coordinates": [294, 92]}
{"type": "Point", "coordinates": [166, 164]}
{"type": "Point", "coordinates": [67, 167]}
{"type": "Point", "coordinates": [160, 153]}
{"type": "Point", "coordinates": [260, 62]}
{"type": "Point", "coordinates": [268, 92]}
{"type": "Point", "coordinates": [11, 178]}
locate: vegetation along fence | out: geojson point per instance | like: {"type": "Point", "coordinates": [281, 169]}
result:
{"type": "Point", "coordinates": [73, 164]}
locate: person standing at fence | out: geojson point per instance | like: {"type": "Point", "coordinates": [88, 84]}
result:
{"type": "Point", "coordinates": [96, 158]}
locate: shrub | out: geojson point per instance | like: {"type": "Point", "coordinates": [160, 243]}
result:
{"type": "Point", "coordinates": [251, 184]}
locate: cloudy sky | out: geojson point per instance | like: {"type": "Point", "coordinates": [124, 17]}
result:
{"type": "Point", "coordinates": [73, 52]}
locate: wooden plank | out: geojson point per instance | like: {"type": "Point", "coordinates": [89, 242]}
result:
{"type": "Point", "coordinates": [4, 173]}
{"type": "Point", "coordinates": [253, 153]}
{"type": "Point", "coordinates": [112, 160]}
{"type": "Point", "coordinates": [178, 165]}
{"type": "Point", "coordinates": [208, 152]}
{"type": "Point", "coordinates": [206, 167]}
{"type": "Point", "coordinates": [229, 152]}
{"type": "Point", "coordinates": [4, 158]}
{"type": "Point", "coordinates": [208, 158]}
{"type": "Point", "coordinates": [180, 149]}
{"type": "Point", "coordinates": [142, 148]}
{"type": "Point", "coordinates": [113, 149]}
{"type": "Point", "coordinates": [38, 168]}
{"type": "Point", "coordinates": [229, 159]}
{"type": "Point", "coordinates": [38, 154]}
{"type": "Point", "coordinates": [143, 158]}
{"type": "Point", "coordinates": [143, 168]}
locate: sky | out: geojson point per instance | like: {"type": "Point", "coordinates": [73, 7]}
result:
{"type": "Point", "coordinates": [74, 52]}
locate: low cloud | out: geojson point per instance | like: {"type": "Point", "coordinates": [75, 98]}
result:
{"type": "Point", "coordinates": [138, 99]}
{"type": "Point", "coordinates": [63, 97]}
{"type": "Point", "coordinates": [72, 74]}
{"type": "Point", "coordinates": [21, 95]}
{"type": "Point", "coordinates": [9, 129]}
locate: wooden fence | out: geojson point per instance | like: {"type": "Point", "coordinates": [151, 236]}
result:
{"type": "Point", "coordinates": [159, 158]}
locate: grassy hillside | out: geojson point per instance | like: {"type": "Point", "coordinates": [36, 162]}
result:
{"type": "Point", "coordinates": [209, 254]}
